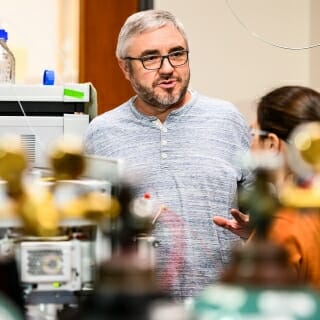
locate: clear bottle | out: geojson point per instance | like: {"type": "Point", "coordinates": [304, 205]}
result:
{"type": "Point", "coordinates": [7, 60]}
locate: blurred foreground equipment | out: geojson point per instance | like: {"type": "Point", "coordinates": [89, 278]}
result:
{"type": "Point", "coordinates": [259, 282]}
{"type": "Point", "coordinates": [304, 160]}
{"type": "Point", "coordinates": [51, 225]}
{"type": "Point", "coordinates": [83, 250]}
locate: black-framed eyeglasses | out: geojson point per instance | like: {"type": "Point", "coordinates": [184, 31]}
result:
{"type": "Point", "coordinates": [155, 61]}
{"type": "Point", "coordinates": [258, 132]}
{"type": "Point", "coordinates": [263, 133]}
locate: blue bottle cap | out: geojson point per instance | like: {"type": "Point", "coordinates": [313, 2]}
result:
{"type": "Point", "coordinates": [3, 34]}
{"type": "Point", "coordinates": [48, 77]}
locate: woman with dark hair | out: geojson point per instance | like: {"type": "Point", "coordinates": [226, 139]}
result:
{"type": "Point", "coordinates": [279, 113]}
{"type": "Point", "coordinates": [281, 110]}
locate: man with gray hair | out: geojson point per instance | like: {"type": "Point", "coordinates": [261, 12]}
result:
{"type": "Point", "coordinates": [178, 146]}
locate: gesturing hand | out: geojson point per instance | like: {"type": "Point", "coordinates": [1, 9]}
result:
{"type": "Point", "coordinates": [239, 225]}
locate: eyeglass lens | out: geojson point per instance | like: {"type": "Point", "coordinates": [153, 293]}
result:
{"type": "Point", "coordinates": [177, 58]}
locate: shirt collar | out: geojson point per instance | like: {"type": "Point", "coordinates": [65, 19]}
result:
{"type": "Point", "coordinates": [176, 112]}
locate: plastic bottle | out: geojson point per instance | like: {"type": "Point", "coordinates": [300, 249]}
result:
{"type": "Point", "coordinates": [7, 60]}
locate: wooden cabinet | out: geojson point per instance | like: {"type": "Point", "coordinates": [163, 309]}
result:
{"type": "Point", "coordinates": [100, 23]}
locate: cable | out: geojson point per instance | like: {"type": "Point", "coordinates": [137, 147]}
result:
{"type": "Point", "coordinates": [263, 40]}
{"type": "Point", "coordinates": [28, 123]}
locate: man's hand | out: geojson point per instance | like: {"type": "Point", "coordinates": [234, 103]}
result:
{"type": "Point", "coordinates": [239, 225]}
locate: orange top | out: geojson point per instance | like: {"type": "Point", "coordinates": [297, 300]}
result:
{"type": "Point", "coordinates": [299, 232]}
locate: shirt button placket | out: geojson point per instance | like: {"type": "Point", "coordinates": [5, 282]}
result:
{"type": "Point", "coordinates": [164, 142]}
{"type": "Point", "coordinates": [163, 139]}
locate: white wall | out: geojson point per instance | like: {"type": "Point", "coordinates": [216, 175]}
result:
{"type": "Point", "coordinates": [315, 39]}
{"type": "Point", "coordinates": [43, 34]}
{"type": "Point", "coordinates": [229, 62]}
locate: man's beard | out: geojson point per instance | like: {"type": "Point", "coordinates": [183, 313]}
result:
{"type": "Point", "coordinates": [161, 101]}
